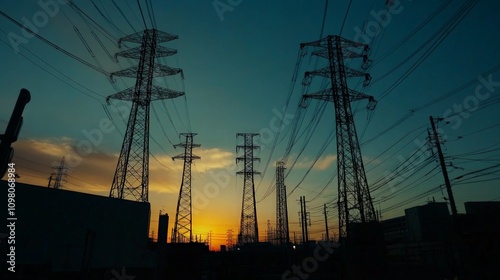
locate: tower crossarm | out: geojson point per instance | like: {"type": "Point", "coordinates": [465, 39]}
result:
{"type": "Point", "coordinates": [157, 93]}
{"type": "Point", "coordinates": [161, 37]}
{"type": "Point", "coordinates": [135, 53]}
{"type": "Point", "coordinates": [325, 72]}
{"type": "Point", "coordinates": [159, 70]}
{"type": "Point", "coordinates": [185, 156]}
{"type": "Point", "coordinates": [326, 95]}
{"type": "Point", "coordinates": [244, 172]}
{"type": "Point", "coordinates": [348, 52]}
{"type": "Point", "coordinates": [343, 43]}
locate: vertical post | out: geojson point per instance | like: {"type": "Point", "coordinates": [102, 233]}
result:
{"type": "Point", "coordinates": [443, 169]}
{"type": "Point", "coordinates": [303, 218]}
{"type": "Point", "coordinates": [302, 222]}
{"type": "Point", "coordinates": [326, 223]}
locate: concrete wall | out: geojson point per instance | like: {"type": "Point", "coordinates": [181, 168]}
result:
{"type": "Point", "coordinates": [52, 226]}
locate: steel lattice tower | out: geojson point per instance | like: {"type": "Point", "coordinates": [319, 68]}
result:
{"type": "Point", "coordinates": [131, 177]}
{"type": "Point", "coordinates": [184, 217]}
{"type": "Point", "coordinates": [60, 175]}
{"type": "Point", "coordinates": [354, 201]}
{"type": "Point", "coordinates": [249, 232]}
{"type": "Point", "coordinates": [282, 235]}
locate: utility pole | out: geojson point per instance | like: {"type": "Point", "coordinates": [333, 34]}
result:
{"type": "Point", "coordinates": [183, 226]}
{"type": "Point", "coordinates": [354, 201]}
{"type": "Point", "coordinates": [326, 222]}
{"type": "Point", "coordinates": [303, 220]}
{"type": "Point", "coordinates": [443, 168]}
{"type": "Point", "coordinates": [249, 232]}
{"type": "Point", "coordinates": [131, 177]}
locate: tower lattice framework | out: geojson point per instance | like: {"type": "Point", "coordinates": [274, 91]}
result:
{"type": "Point", "coordinates": [59, 176]}
{"type": "Point", "coordinates": [131, 177]}
{"type": "Point", "coordinates": [183, 227]}
{"type": "Point", "coordinates": [282, 234]}
{"type": "Point", "coordinates": [354, 201]}
{"type": "Point", "coordinates": [249, 232]}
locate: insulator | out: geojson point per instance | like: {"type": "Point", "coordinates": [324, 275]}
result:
{"type": "Point", "coordinates": [366, 50]}
{"type": "Point", "coordinates": [367, 81]}
{"type": "Point", "coordinates": [304, 103]}
{"type": "Point", "coordinates": [371, 105]}
{"type": "Point", "coordinates": [303, 51]}
{"type": "Point", "coordinates": [307, 79]}
{"type": "Point", "coordinates": [366, 62]}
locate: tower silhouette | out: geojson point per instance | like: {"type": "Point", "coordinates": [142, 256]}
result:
{"type": "Point", "coordinates": [249, 232]}
{"type": "Point", "coordinates": [183, 226]}
{"type": "Point", "coordinates": [354, 201]}
{"type": "Point", "coordinates": [131, 179]}
{"type": "Point", "coordinates": [282, 235]}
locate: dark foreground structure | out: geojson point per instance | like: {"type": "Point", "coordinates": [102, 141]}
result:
{"type": "Point", "coordinates": [61, 234]}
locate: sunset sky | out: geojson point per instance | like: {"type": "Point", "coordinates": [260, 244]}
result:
{"type": "Point", "coordinates": [430, 58]}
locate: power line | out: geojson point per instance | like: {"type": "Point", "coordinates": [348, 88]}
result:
{"type": "Point", "coordinates": [61, 73]}
{"type": "Point", "coordinates": [55, 46]}
{"type": "Point", "coordinates": [345, 18]}
{"type": "Point", "coordinates": [142, 14]}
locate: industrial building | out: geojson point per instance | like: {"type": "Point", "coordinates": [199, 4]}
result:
{"type": "Point", "coordinates": [61, 233]}
{"type": "Point", "coordinates": [426, 238]}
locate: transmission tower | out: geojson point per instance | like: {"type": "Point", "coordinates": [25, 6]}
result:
{"type": "Point", "coordinates": [58, 176]}
{"type": "Point", "coordinates": [131, 177]}
{"type": "Point", "coordinates": [282, 235]}
{"type": "Point", "coordinates": [354, 201]}
{"type": "Point", "coordinates": [249, 232]}
{"type": "Point", "coordinates": [229, 239]}
{"type": "Point", "coordinates": [184, 216]}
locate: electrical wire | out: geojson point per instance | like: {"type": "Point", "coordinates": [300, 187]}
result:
{"type": "Point", "coordinates": [55, 46]}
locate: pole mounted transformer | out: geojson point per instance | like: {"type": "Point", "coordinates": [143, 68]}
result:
{"type": "Point", "coordinates": [131, 177]}
{"type": "Point", "coordinates": [354, 201]}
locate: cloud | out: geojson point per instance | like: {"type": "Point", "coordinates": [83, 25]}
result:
{"type": "Point", "coordinates": [216, 158]}
{"type": "Point", "coordinates": [94, 172]}
{"type": "Point", "coordinates": [88, 173]}
{"type": "Point", "coordinates": [323, 162]}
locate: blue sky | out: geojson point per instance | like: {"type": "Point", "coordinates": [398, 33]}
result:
{"type": "Point", "coordinates": [238, 72]}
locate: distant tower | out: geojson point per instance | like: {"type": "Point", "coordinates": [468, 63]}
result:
{"type": "Point", "coordinates": [58, 177]}
{"type": "Point", "coordinates": [304, 220]}
{"type": "Point", "coordinates": [229, 239]}
{"type": "Point", "coordinates": [182, 231]}
{"type": "Point", "coordinates": [249, 232]}
{"type": "Point", "coordinates": [270, 232]}
{"type": "Point", "coordinates": [131, 178]}
{"type": "Point", "coordinates": [282, 235]}
{"type": "Point", "coordinates": [354, 201]}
